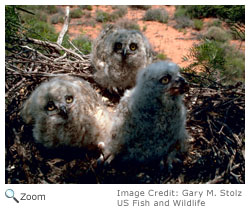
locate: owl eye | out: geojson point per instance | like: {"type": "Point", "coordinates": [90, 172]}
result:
{"type": "Point", "coordinates": [50, 106]}
{"type": "Point", "coordinates": [133, 46]}
{"type": "Point", "coordinates": [69, 99]}
{"type": "Point", "coordinates": [165, 80]}
{"type": "Point", "coordinates": [118, 46]}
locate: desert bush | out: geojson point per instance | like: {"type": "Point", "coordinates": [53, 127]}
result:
{"type": "Point", "coordinates": [87, 14]}
{"type": "Point", "coordinates": [86, 7]}
{"type": "Point", "coordinates": [83, 43]}
{"type": "Point", "coordinates": [217, 33]}
{"type": "Point", "coordinates": [237, 32]}
{"type": "Point", "coordinates": [217, 62]}
{"type": "Point", "coordinates": [36, 14]}
{"type": "Point", "coordinates": [233, 13]}
{"type": "Point", "coordinates": [90, 22]}
{"type": "Point", "coordinates": [51, 9]}
{"type": "Point", "coordinates": [234, 70]}
{"type": "Point", "coordinates": [198, 24]}
{"type": "Point", "coordinates": [76, 13]}
{"type": "Point", "coordinates": [41, 30]}
{"type": "Point", "coordinates": [119, 12]}
{"type": "Point", "coordinates": [48, 9]}
{"type": "Point", "coordinates": [180, 12]}
{"type": "Point", "coordinates": [114, 7]}
{"type": "Point", "coordinates": [144, 28]}
{"type": "Point", "coordinates": [102, 16]}
{"type": "Point", "coordinates": [161, 56]}
{"type": "Point", "coordinates": [12, 24]}
{"type": "Point", "coordinates": [215, 22]}
{"type": "Point", "coordinates": [183, 22]}
{"type": "Point", "coordinates": [141, 7]}
{"type": "Point", "coordinates": [160, 15]}
{"type": "Point", "coordinates": [128, 24]}
{"type": "Point", "coordinates": [57, 18]}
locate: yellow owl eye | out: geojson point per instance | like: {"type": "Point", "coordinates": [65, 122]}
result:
{"type": "Point", "coordinates": [165, 80]}
{"type": "Point", "coordinates": [133, 46]}
{"type": "Point", "coordinates": [118, 46]}
{"type": "Point", "coordinates": [69, 99]}
{"type": "Point", "coordinates": [50, 106]}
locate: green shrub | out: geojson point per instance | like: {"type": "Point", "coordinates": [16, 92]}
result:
{"type": "Point", "coordinates": [161, 56]}
{"type": "Point", "coordinates": [50, 9]}
{"type": "Point", "coordinates": [41, 30]}
{"type": "Point", "coordinates": [144, 28]}
{"type": "Point", "coordinates": [234, 13]}
{"type": "Point", "coordinates": [87, 14]}
{"type": "Point", "coordinates": [102, 16]}
{"type": "Point", "coordinates": [57, 18]}
{"type": "Point", "coordinates": [83, 44]}
{"type": "Point", "coordinates": [90, 22]}
{"type": "Point", "coordinates": [234, 70]}
{"type": "Point", "coordinates": [217, 33]}
{"type": "Point", "coordinates": [160, 15]}
{"type": "Point", "coordinates": [180, 12]}
{"type": "Point", "coordinates": [86, 7]}
{"type": "Point", "coordinates": [37, 15]}
{"type": "Point", "coordinates": [215, 22]}
{"type": "Point", "coordinates": [119, 12]}
{"type": "Point", "coordinates": [141, 7]}
{"type": "Point", "coordinates": [198, 24]}
{"type": "Point", "coordinates": [183, 22]}
{"type": "Point", "coordinates": [115, 7]}
{"type": "Point", "coordinates": [12, 24]}
{"type": "Point", "coordinates": [216, 62]}
{"type": "Point", "coordinates": [76, 13]}
{"type": "Point", "coordinates": [237, 32]}
{"type": "Point", "coordinates": [128, 24]}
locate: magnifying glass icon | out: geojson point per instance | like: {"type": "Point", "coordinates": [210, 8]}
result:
{"type": "Point", "coordinates": [9, 193]}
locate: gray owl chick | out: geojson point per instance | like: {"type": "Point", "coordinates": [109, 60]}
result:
{"type": "Point", "coordinates": [150, 120]}
{"type": "Point", "coordinates": [66, 111]}
{"type": "Point", "coordinates": [117, 55]}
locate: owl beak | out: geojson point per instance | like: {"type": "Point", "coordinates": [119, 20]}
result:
{"type": "Point", "coordinates": [124, 53]}
{"type": "Point", "coordinates": [180, 86]}
{"type": "Point", "coordinates": [63, 111]}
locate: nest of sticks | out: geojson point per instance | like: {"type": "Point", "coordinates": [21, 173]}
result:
{"type": "Point", "coordinates": [215, 123]}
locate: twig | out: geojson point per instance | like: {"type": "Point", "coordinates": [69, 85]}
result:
{"type": "Point", "coordinates": [56, 46]}
{"type": "Point", "coordinates": [75, 47]}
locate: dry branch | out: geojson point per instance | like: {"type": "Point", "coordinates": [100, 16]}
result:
{"type": "Point", "coordinates": [65, 27]}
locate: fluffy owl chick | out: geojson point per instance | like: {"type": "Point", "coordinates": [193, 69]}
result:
{"type": "Point", "coordinates": [117, 55]}
{"type": "Point", "coordinates": [150, 120]}
{"type": "Point", "coordinates": [66, 111]}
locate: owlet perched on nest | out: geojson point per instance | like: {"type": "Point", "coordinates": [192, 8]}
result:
{"type": "Point", "coordinates": [149, 125]}
{"type": "Point", "coordinates": [66, 111]}
{"type": "Point", "coordinates": [117, 55]}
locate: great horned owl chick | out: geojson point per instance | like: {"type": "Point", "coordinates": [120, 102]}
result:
{"type": "Point", "coordinates": [66, 111]}
{"type": "Point", "coordinates": [149, 124]}
{"type": "Point", "coordinates": [117, 55]}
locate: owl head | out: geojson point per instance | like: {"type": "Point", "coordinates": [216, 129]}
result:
{"type": "Point", "coordinates": [127, 45]}
{"type": "Point", "coordinates": [162, 80]}
{"type": "Point", "coordinates": [55, 99]}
